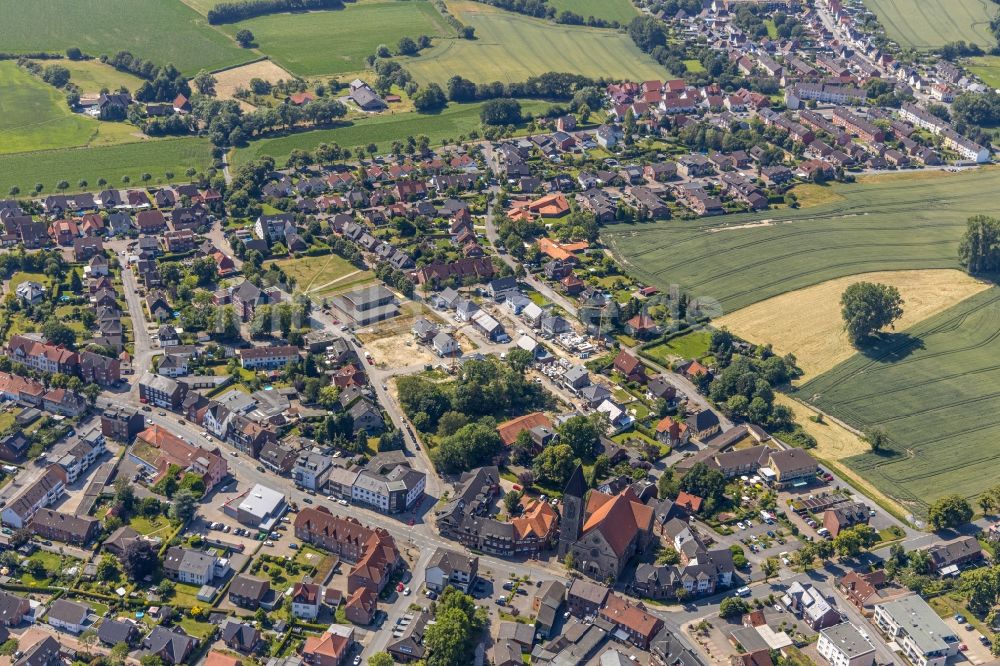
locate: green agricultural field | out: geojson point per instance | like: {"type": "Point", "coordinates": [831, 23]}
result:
{"type": "Point", "coordinates": [163, 31]}
{"type": "Point", "coordinates": [382, 130]}
{"type": "Point", "coordinates": [34, 115]}
{"type": "Point", "coordinates": [334, 42]}
{"type": "Point", "coordinates": [928, 24]}
{"type": "Point", "coordinates": [93, 75]}
{"type": "Point", "coordinates": [513, 47]}
{"type": "Point", "coordinates": [987, 68]}
{"type": "Point", "coordinates": [935, 389]}
{"type": "Point", "coordinates": [109, 162]}
{"type": "Point", "coordinates": [622, 11]}
{"type": "Point", "coordinates": [909, 221]}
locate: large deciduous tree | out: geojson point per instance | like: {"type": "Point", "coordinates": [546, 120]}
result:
{"type": "Point", "coordinates": [868, 307]}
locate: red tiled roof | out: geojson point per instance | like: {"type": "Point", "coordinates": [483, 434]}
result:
{"type": "Point", "coordinates": [509, 430]}
{"type": "Point", "coordinates": [619, 518]}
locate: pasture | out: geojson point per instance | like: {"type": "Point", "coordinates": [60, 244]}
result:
{"type": "Point", "coordinates": [929, 24]}
{"type": "Point", "coordinates": [110, 162]}
{"type": "Point", "coordinates": [622, 11]}
{"type": "Point", "coordinates": [512, 47]}
{"type": "Point", "coordinates": [338, 41]}
{"type": "Point", "coordinates": [987, 68]}
{"type": "Point", "coordinates": [381, 129]}
{"type": "Point", "coordinates": [93, 75]}
{"type": "Point", "coordinates": [933, 388]}
{"type": "Point", "coordinates": [34, 115]}
{"type": "Point", "coordinates": [891, 224]}
{"type": "Point", "coordinates": [164, 31]}
{"type": "Point", "coordinates": [314, 273]}
{"type": "Point", "coordinates": [818, 339]}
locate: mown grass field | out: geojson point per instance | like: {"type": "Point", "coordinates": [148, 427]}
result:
{"type": "Point", "coordinates": [34, 115]}
{"type": "Point", "coordinates": [928, 24]}
{"type": "Point", "coordinates": [987, 68]}
{"type": "Point", "coordinates": [315, 272]}
{"type": "Point", "coordinates": [163, 31]}
{"type": "Point", "coordinates": [334, 42]}
{"type": "Point", "coordinates": [110, 162]}
{"type": "Point", "coordinates": [622, 11]}
{"type": "Point", "coordinates": [513, 47]}
{"type": "Point", "coordinates": [382, 130]}
{"type": "Point", "coordinates": [935, 389]}
{"type": "Point", "coordinates": [93, 75]}
{"type": "Point", "coordinates": [892, 224]}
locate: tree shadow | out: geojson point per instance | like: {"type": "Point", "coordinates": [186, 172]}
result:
{"type": "Point", "coordinates": [891, 347]}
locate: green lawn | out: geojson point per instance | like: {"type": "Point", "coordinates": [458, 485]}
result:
{"type": "Point", "coordinates": [334, 42]}
{"type": "Point", "coordinates": [155, 157]}
{"type": "Point", "coordinates": [382, 130]}
{"type": "Point", "coordinates": [163, 31]}
{"type": "Point", "coordinates": [314, 272]}
{"type": "Point", "coordinates": [912, 221]}
{"type": "Point", "coordinates": [158, 526]}
{"type": "Point", "coordinates": [34, 115]}
{"type": "Point", "coordinates": [691, 345]}
{"type": "Point", "coordinates": [622, 11]}
{"type": "Point", "coordinates": [928, 24]}
{"type": "Point", "coordinates": [93, 75]}
{"type": "Point", "coordinates": [987, 68]}
{"type": "Point", "coordinates": [694, 66]}
{"type": "Point", "coordinates": [933, 388]}
{"type": "Point", "coordinates": [513, 47]}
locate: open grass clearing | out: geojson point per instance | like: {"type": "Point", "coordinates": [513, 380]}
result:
{"type": "Point", "coordinates": [163, 31]}
{"type": "Point", "coordinates": [622, 11]}
{"type": "Point", "coordinates": [929, 24]}
{"type": "Point", "coordinates": [155, 157]}
{"type": "Point", "coordinates": [331, 42]}
{"type": "Point", "coordinates": [310, 272]}
{"type": "Point", "coordinates": [512, 47]}
{"type": "Point", "coordinates": [382, 130]}
{"type": "Point", "coordinates": [93, 75]}
{"type": "Point", "coordinates": [813, 194]}
{"type": "Point", "coordinates": [933, 389]}
{"type": "Point", "coordinates": [687, 346]}
{"type": "Point", "coordinates": [731, 262]}
{"type": "Point", "coordinates": [987, 68]}
{"type": "Point", "coordinates": [807, 322]}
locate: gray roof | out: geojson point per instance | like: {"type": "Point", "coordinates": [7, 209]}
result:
{"type": "Point", "coordinates": [848, 640]}
{"type": "Point", "coordinates": [67, 611]}
{"type": "Point", "coordinates": [450, 560]}
{"type": "Point", "coordinates": [920, 622]}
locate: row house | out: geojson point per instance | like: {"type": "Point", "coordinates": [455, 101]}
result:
{"type": "Point", "coordinates": [36, 353]}
{"type": "Point", "coordinates": [865, 130]}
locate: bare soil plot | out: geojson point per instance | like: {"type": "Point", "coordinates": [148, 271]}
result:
{"type": "Point", "coordinates": [807, 322]}
{"type": "Point", "coordinates": [229, 80]}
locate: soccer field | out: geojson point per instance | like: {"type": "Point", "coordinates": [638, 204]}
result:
{"type": "Point", "coordinates": [935, 389]}
{"type": "Point", "coordinates": [895, 223]}
{"type": "Point", "coordinates": [512, 47]}
{"type": "Point", "coordinates": [163, 31]}
{"type": "Point", "coordinates": [929, 24]}
{"type": "Point", "coordinates": [338, 41]}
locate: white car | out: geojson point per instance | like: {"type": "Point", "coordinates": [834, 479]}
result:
{"type": "Point", "coordinates": [268, 543]}
{"type": "Point", "coordinates": [743, 591]}
{"type": "Point", "coordinates": [406, 591]}
{"type": "Point", "coordinates": [342, 502]}
{"type": "Point", "coordinates": [741, 526]}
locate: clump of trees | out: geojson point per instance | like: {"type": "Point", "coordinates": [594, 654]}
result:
{"type": "Point", "coordinates": [501, 112]}
{"type": "Point", "coordinates": [949, 512]}
{"type": "Point", "coordinates": [869, 307]}
{"type": "Point", "coordinates": [458, 622]}
{"type": "Point", "coordinates": [231, 12]}
{"type": "Point", "coordinates": [979, 249]}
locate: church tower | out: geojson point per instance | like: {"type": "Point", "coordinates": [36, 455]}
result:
{"type": "Point", "coordinates": [572, 510]}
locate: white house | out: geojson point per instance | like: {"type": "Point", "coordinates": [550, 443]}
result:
{"type": "Point", "coordinates": [445, 345]}
{"type": "Point", "coordinates": [843, 645]}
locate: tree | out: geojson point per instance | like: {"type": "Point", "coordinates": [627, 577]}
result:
{"type": "Point", "coordinates": [877, 438]}
{"type": "Point", "coordinates": [380, 659]}
{"type": "Point", "coordinates": [139, 559]}
{"type": "Point", "coordinates": [56, 75]}
{"type": "Point", "coordinates": [205, 83]}
{"type": "Point", "coordinates": [949, 512]}
{"type": "Point", "coordinates": [406, 46]}
{"type": "Point", "coordinates": [852, 541]}
{"type": "Point", "coordinates": [429, 98]}
{"type": "Point", "coordinates": [183, 505]}
{"type": "Point", "coordinates": [867, 308]}
{"type": "Point", "coordinates": [582, 434]}
{"type": "Point", "coordinates": [704, 482]}
{"type": "Point", "coordinates": [555, 464]}
{"type": "Point", "coordinates": [500, 112]}
{"type": "Point", "coordinates": [107, 569]}
{"type": "Point", "coordinates": [979, 249]}
{"type": "Point", "coordinates": [732, 607]}
{"type": "Point", "coordinates": [512, 502]}
{"type": "Point", "coordinates": [59, 333]}
{"type": "Point", "coordinates": [471, 446]}
{"type": "Point", "coordinates": [74, 53]}
{"type": "Point", "coordinates": [245, 38]}
{"type": "Point", "coordinates": [769, 567]}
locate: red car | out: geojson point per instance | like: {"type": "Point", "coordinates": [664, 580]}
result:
{"type": "Point", "coordinates": [399, 587]}
{"type": "Point", "coordinates": [962, 647]}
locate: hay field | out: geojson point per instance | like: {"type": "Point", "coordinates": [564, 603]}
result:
{"type": "Point", "coordinates": [331, 42]}
{"type": "Point", "coordinates": [512, 47]}
{"type": "Point", "coordinates": [93, 75]}
{"type": "Point", "coordinates": [929, 24]}
{"type": "Point", "coordinates": [935, 389]}
{"type": "Point", "coordinates": [164, 31]}
{"type": "Point", "coordinates": [807, 322]}
{"type": "Point", "coordinates": [229, 80]}
{"type": "Point", "coordinates": [737, 260]}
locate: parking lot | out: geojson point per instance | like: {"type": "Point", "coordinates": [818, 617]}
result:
{"type": "Point", "coordinates": [765, 540]}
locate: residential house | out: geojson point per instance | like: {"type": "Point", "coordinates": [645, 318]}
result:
{"type": "Point", "coordinates": [69, 616]}
{"type": "Point", "coordinates": [448, 567]}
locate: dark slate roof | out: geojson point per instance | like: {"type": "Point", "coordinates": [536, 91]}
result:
{"type": "Point", "coordinates": [577, 486]}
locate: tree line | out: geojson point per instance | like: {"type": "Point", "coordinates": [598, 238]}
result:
{"type": "Point", "coordinates": [231, 12]}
